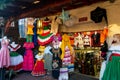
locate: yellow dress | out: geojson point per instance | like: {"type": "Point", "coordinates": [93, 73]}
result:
{"type": "Point", "coordinates": [30, 29]}
{"type": "Point", "coordinates": [65, 42]}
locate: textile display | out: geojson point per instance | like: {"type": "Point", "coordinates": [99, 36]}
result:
{"type": "Point", "coordinates": [28, 61]}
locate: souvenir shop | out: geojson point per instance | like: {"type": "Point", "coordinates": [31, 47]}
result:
{"type": "Point", "coordinates": [56, 45]}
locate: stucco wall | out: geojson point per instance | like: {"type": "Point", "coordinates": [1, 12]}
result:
{"type": "Point", "coordinates": [113, 14]}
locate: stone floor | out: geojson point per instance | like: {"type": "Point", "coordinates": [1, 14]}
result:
{"type": "Point", "coordinates": [72, 76]}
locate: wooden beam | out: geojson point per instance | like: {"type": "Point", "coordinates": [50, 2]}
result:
{"type": "Point", "coordinates": [41, 10]}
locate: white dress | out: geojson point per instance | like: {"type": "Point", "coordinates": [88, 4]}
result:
{"type": "Point", "coordinates": [15, 58]}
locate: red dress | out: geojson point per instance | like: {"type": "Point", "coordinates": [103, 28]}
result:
{"type": "Point", "coordinates": [38, 69]}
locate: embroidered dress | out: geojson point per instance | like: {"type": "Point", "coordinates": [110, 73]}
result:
{"type": "Point", "coordinates": [67, 57]}
{"type": "Point", "coordinates": [28, 62]}
{"type": "Point", "coordinates": [38, 69]}
{"type": "Point", "coordinates": [112, 70]}
{"type": "Point", "coordinates": [16, 60]}
{"type": "Point", "coordinates": [4, 54]}
{"type": "Point", "coordinates": [56, 62]}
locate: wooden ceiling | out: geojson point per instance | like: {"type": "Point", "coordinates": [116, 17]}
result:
{"type": "Point", "coordinates": [39, 8]}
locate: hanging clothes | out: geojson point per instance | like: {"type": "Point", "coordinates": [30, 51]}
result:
{"type": "Point", "coordinates": [46, 37]}
{"type": "Point", "coordinates": [67, 57]}
{"type": "Point", "coordinates": [22, 28]}
{"type": "Point", "coordinates": [4, 54]}
{"type": "Point", "coordinates": [65, 42]}
{"type": "Point", "coordinates": [35, 33]}
{"type": "Point", "coordinates": [30, 26]}
{"type": "Point", "coordinates": [28, 62]}
{"type": "Point", "coordinates": [95, 39]}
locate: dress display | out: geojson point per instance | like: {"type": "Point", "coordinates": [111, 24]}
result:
{"type": "Point", "coordinates": [22, 28]}
{"type": "Point", "coordinates": [55, 26]}
{"type": "Point", "coordinates": [46, 37]}
{"type": "Point", "coordinates": [67, 57]}
{"type": "Point", "coordinates": [87, 40]}
{"type": "Point", "coordinates": [48, 58]}
{"type": "Point", "coordinates": [65, 42]}
{"type": "Point", "coordinates": [95, 39]}
{"type": "Point", "coordinates": [4, 54]}
{"type": "Point", "coordinates": [56, 62]}
{"type": "Point", "coordinates": [16, 60]}
{"type": "Point", "coordinates": [112, 67]}
{"type": "Point", "coordinates": [30, 26]}
{"type": "Point", "coordinates": [38, 69]}
{"type": "Point", "coordinates": [78, 41]}
{"type": "Point", "coordinates": [28, 62]}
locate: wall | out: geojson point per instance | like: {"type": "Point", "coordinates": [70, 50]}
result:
{"type": "Point", "coordinates": [113, 14]}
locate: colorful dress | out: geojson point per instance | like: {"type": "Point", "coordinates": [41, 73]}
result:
{"type": "Point", "coordinates": [16, 60]}
{"type": "Point", "coordinates": [67, 57]}
{"type": "Point", "coordinates": [38, 69]}
{"type": "Point", "coordinates": [56, 62]}
{"type": "Point", "coordinates": [4, 54]}
{"type": "Point", "coordinates": [30, 26]}
{"type": "Point", "coordinates": [112, 70]}
{"type": "Point", "coordinates": [45, 37]}
{"type": "Point", "coordinates": [28, 62]}
{"type": "Point", "coordinates": [65, 42]}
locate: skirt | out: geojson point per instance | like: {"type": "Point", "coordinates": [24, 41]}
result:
{"type": "Point", "coordinates": [112, 71]}
{"type": "Point", "coordinates": [38, 69]}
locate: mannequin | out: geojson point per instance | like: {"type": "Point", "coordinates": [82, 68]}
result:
{"type": "Point", "coordinates": [16, 59]}
{"type": "Point", "coordinates": [95, 39]}
{"type": "Point", "coordinates": [4, 57]}
{"type": "Point", "coordinates": [113, 57]}
{"type": "Point", "coordinates": [38, 69]}
{"type": "Point", "coordinates": [56, 60]}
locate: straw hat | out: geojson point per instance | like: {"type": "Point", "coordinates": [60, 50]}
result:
{"type": "Point", "coordinates": [41, 48]}
{"type": "Point", "coordinates": [113, 29]}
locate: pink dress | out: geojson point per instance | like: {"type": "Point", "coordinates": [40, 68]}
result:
{"type": "Point", "coordinates": [28, 61]}
{"type": "Point", "coordinates": [4, 54]}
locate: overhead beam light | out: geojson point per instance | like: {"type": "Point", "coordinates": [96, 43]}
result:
{"type": "Point", "coordinates": [36, 2]}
